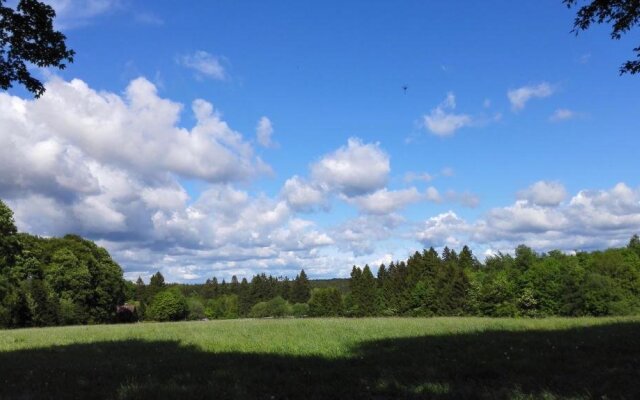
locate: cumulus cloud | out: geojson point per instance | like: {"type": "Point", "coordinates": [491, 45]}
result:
{"type": "Point", "coordinates": [544, 193]}
{"type": "Point", "coordinates": [264, 130]}
{"type": "Point", "coordinates": [362, 235]}
{"type": "Point", "coordinates": [591, 219]}
{"type": "Point", "coordinates": [442, 230]}
{"type": "Point", "coordinates": [520, 96]}
{"type": "Point", "coordinates": [205, 64]}
{"type": "Point", "coordinates": [72, 125]}
{"type": "Point", "coordinates": [442, 121]}
{"type": "Point", "coordinates": [386, 201]}
{"type": "Point", "coordinates": [355, 169]}
{"type": "Point", "coordinates": [303, 196]}
{"type": "Point", "coordinates": [108, 166]}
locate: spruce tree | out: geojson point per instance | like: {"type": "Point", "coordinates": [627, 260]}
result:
{"type": "Point", "coordinates": [466, 259]}
{"type": "Point", "coordinates": [300, 289]}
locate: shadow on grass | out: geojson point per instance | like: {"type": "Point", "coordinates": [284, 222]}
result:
{"type": "Point", "coordinates": [592, 362]}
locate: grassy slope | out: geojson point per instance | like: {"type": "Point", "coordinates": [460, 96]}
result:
{"type": "Point", "coordinates": [327, 358]}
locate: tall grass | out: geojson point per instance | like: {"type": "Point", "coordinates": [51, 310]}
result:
{"type": "Point", "coordinates": [327, 358]}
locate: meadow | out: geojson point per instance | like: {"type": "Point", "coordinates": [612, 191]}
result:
{"type": "Point", "coordinates": [369, 358]}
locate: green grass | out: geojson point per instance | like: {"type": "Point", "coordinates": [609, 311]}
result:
{"type": "Point", "coordinates": [377, 358]}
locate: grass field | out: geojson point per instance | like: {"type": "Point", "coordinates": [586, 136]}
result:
{"type": "Point", "coordinates": [378, 358]}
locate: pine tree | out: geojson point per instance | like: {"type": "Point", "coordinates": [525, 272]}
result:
{"type": "Point", "coordinates": [368, 301]}
{"type": "Point", "coordinates": [466, 260]}
{"type": "Point", "coordinates": [301, 289]}
{"type": "Point", "coordinates": [234, 286]}
{"type": "Point", "coordinates": [634, 244]}
{"type": "Point", "coordinates": [244, 298]}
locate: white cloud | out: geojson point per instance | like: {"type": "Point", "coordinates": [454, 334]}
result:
{"type": "Point", "coordinates": [204, 64]}
{"type": "Point", "coordinates": [73, 124]}
{"type": "Point", "coordinates": [442, 230]}
{"type": "Point", "coordinates": [519, 97]}
{"type": "Point", "coordinates": [353, 170]}
{"type": "Point", "coordinates": [592, 219]}
{"type": "Point", "coordinates": [544, 193]}
{"type": "Point", "coordinates": [469, 199]}
{"type": "Point", "coordinates": [264, 130]}
{"type": "Point", "coordinates": [562, 114]}
{"type": "Point", "coordinates": [108, 163]}
{"type": "Point", "coordinates": [385, 201]}
{"type": "Point", "coordinates": [411, 177]}
{"type": "Point", "coordinates": [362, 235]}
{"type": "Point", "coordinates": [432, 194]}
{"type": "Point", "coordinates": [442, 122]}
{"type": "Point", "coordinates": [303, 196]}
{"type": "Point", "coordinates": [73, 13]}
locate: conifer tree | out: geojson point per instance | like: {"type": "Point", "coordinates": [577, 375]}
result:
{"type": "Point", "coordinates": [466, 259]}
{"type": "Point", "coordinates": [300, 289]}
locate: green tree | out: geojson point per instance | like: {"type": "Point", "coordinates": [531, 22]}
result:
{"type": "Point", "coordinates": [300, 289]}
{"type": "Point", "coordinates": [623, 15]}
{"type": "Point", "coordinates": [71, 280]}
{"type": "Point", "coordinates": [276, 307]}
{"type": "Point", "coordinates": [223, 307]}
{"type": "Point", "coordinates": [9, 243]}
{"type": "Point", "coordinates": [325, 302]}
{"type": "Point", "coordinates": [45, 309]}
{"type": "Point", "coordinates": [156, 284]}
{"type": "Point", "coordinates": [525, 257]}
{"type": "Point", "coordinates": [27, 37]}
{"type": "Point", "coordinates": [634, 244]}
{"type": "Point", "coordinates": [196, 310]}
{"type": "Point", "coordinates": [168, 305]}
{"type": "Point", "coordinates": [467, 260]}
{"type": "Point", "coordinates": [364, 292]}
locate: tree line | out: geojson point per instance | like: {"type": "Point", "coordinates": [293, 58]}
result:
{"type": "Point", "coordinates": [70, 280]}
{"type": "Point", "coordinates": [428, 283]}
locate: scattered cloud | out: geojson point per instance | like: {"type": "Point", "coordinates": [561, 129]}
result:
{"type": "Point", "coordinates": [205, 64]}
{"type": "Point", "coordinates": [75, 13]}
{"type": "Point", "coordinates": [303, 196]}
{"type": "Point", "coordinates": [519, 97]}
{"type": "Point", "coordinates": [433, 195]}
{"type": "Point", "coordinates": [264, 131]}
{"type": "Point", "coordinates": [442, 230]}
{"type": "Point", "coordinates": [562, 114]}
{"type": "Point", "coordinates": [442, 121]}
{"type": "Point", "coordinates": [591, 219]}
{"type": "Point", "coordinates": [147, 18]}
{"type": "Point", "coordinates": [585, 58]}
{"type": "Point", "coordinates": [386, 201]}
{"type": "Point", "coordinates": [543, 193]}
{"type": "Point", "coordinates": [354, 169]}
{"type": "Point", "coordinates": [113, 167]}
{"type": "Point", "coordinates": [411, 177]}
{"type": "Point", "coordinates": [109, 160]}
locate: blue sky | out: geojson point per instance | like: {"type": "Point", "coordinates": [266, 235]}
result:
{"type": "Point", "coordinates": [239, 137]}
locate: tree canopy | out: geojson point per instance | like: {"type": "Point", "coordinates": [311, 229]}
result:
{"type": "Point", "coordinates": [27, 37]}
{"type": "Point", "coordinates": [623, 15]}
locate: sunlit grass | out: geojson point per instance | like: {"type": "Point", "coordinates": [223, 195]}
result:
{"type": "Point", "coordinates": [381, 358]}
{"type": "Point", "coordinates": [328, 337]}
